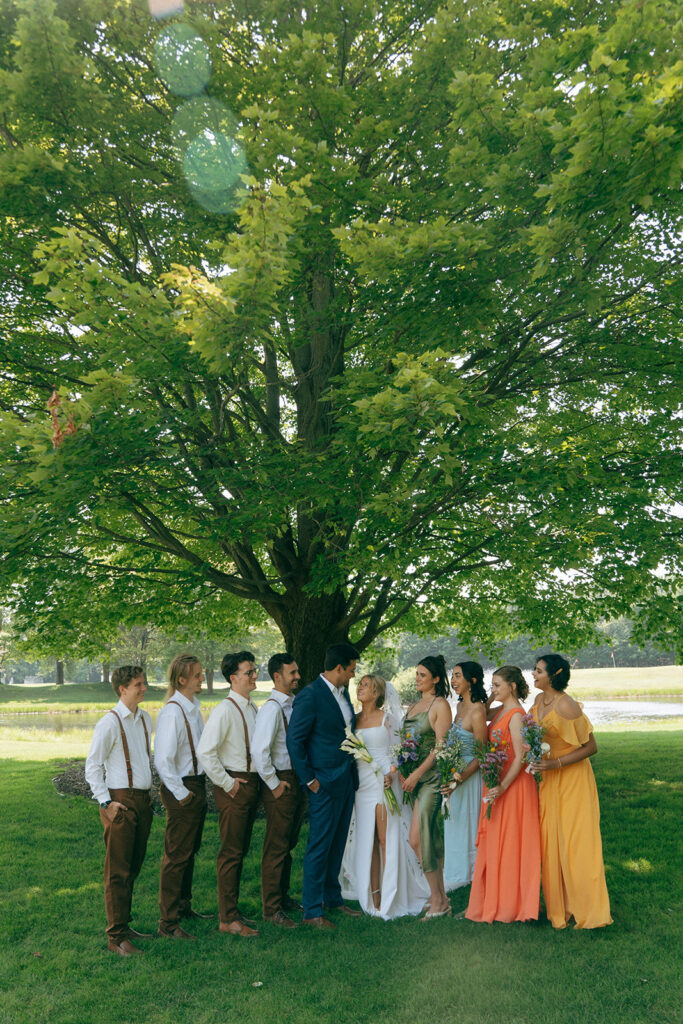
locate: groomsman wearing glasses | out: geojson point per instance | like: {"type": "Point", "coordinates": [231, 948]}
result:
{"type": "Point", "coordinates": [283, 797]}
{"type": "Point", "coordinates": [224, 752]}
{"type": "Point", "coordinates": [183, 792]}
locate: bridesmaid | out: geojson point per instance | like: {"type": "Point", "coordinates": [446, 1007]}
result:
{"type": "Point", "coordinates": [460, 829]}
{"type": "Point", "coordinates": [507, 872]}
{"type": "Point", "coordinates": [573, 871]}
{"type": "Point", "coordinates": [431, 717]}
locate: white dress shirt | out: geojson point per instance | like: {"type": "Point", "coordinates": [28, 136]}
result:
{"type": "Point", "coordinates": [105, 766]}
{"type": "Point", "coordinates": [341, 701]}
{"type": "Point", "coordinates": [222, 743]}
{"type": "Point", "coordinates": [268, 744]}
{"type": "Point", "coordinates": [172, 753]}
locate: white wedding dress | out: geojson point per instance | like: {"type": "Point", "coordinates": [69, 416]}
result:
{"type": "Point", "coordinates": [404, 889]}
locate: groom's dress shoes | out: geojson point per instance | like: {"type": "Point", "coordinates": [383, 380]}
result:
{"type": "Point", "coordinates": [318, 922]}
{"type": "Point", "coordinates": [123, 948]}
{"type": "Point", "coordinates": [281, 919]}
{"type": "Point", "coordinates": [347, 911]}
{"type": "Point", "coordinates": [237, 928]}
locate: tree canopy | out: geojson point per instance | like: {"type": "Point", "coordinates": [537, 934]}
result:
{"type": "Point", "coordinates": [356, 314]}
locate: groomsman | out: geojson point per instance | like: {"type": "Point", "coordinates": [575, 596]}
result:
{"type": "Point", "coordinates": [118, 770]}
{"type": "Point", "coordinates": [283, 797]}
{"type": "Point", "coordinates": [224, 753]}
{"type": "Point", "coordinates": [183, 792]}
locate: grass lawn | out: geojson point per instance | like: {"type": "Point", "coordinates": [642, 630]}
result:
{"type": "Point", "coordinates": [606, 683]}
{"type": "Point", "coordinates": [97, 697]}
{"type": "Point", "coordinates": [54, 967]}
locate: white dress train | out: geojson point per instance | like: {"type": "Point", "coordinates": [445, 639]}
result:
{"type": "Point", "coordinates": [404, 889]}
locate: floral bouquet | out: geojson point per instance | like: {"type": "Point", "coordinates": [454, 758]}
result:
{"type": "Point", "coordinates": [492, 758]}
{"type": "Point", "coordinates": [355, 745]}
{"type": "Point", "coordinates": [408, 754]}
{"type": "Point", "coordinates": [532, 741]}
{"type": "Point", "coordinates": [449, 763]}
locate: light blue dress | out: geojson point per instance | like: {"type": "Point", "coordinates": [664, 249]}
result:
{"type": "Point", "coordinates": [460, 830]}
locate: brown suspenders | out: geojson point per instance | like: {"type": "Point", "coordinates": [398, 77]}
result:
{"type": "Point", "coordinates": [189, 736]}
{"type": "Point", "coordinates": [126, 751]}
{"type": "Point", "coordinates": [246, 731]}
{"type": "Point", "coordinates": [282, 712]}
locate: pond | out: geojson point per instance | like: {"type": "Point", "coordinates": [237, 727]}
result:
{"type": "Point", "coordinates": [600, 712]}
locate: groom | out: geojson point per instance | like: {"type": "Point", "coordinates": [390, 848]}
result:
{"type": "Point", "coordinates": [320, 715]}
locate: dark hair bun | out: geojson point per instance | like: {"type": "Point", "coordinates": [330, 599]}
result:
{"type": "Point", "coordinates": [558, 669]}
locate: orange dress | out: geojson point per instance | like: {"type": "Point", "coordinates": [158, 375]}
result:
{"type": "Point", "coordinates": [507, 872]}
{"type": "Point", "coordinates": [573, 873]}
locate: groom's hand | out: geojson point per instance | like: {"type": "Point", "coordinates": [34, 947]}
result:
{"type": "Point", "coordinates": [281, 788]}
{"type": "Point", "coordinates": [314, 785]}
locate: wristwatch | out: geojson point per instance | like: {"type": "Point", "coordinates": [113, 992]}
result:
{"type": "Point", "coordinates": [105, 804]}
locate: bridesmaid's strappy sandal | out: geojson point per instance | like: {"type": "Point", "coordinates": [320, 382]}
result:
{"type": "Point", "coordinates": [430, 915]}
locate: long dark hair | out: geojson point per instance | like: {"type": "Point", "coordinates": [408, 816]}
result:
{"type": "Point", "coordinates": [474, 674]}
{"type": "Point", "coordinates": [436, 666]}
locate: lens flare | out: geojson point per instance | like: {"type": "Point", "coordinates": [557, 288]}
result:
{"type": "Point", "coordinates": [182, 60]}
{"type": "Point", "coordinates": [165, 8]}
{"type": "Point", "coordinates": [211, 156]}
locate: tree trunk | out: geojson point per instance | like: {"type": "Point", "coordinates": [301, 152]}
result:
{"type": "Point", "coordinates": [59, 675]}
{"type": "Point", "coordinates": [208, 672]}
{"type": "Point", "coordinates": [308, 626]}
{"type": "Point", "coordinates": [105, 673]}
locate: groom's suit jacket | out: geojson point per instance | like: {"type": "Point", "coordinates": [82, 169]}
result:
{"type": "Point", "coordinates": [316, 731]}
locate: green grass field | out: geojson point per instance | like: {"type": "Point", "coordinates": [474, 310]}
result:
{"type": "Point", "coordinates": [54, 967]}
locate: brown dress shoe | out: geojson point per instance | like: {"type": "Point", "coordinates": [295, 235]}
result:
{"type": "Point", "coordinates": [175, 933]}
{"type": "Point", "coordinates": [194, 915]}
{"type": "Point", "coordinates": [281, 919]}
{"type": "Point", "coordinates": [237, 928]}
{"type": "Point", "coordinates": [347, 911]}
{"type": "Point", "coordinates": [290, 904]}
{"type": "Point", "coordinates": [133, 934]}
{"type": "Point", "coordinates": [123, 948]}
{"type": "Point", "coordinates": [250, 923]}
{"type": "Point", "coordinates": [318, 922]}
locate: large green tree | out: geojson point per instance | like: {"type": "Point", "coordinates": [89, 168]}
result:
{"type": "Point", "coordinates": [361, 312]}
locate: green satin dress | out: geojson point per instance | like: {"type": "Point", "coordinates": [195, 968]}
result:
{"type": "Point", "coordinates": [427, 795]}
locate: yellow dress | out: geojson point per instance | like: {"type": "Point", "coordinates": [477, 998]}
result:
{"type": "Point", "coordinates": [572, 869]}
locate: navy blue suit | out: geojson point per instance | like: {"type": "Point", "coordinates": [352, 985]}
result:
{"type": "Point", "coordinates": [316, 731]}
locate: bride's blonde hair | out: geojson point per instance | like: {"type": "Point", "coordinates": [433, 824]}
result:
{"type": "Point", "coordinates": [379, 686]}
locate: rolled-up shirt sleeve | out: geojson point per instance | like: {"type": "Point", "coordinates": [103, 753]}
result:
{"type": "Point", "coordinates": [166, 742]}
{"type": "Point", "coordinates": [267, 722]}
{"type": "Point", "coordinates": [216, 731]}
{"type": "Point", "coordinates": [103, 740]}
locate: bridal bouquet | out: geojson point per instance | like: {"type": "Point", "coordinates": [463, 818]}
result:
{"type": "Point", "coordinates": [355, 745]}
{"type": "Point", "coordinates": [492, 758]}
{"type": "Point", "coordinates": [532, 741]}
{"type": "Point", "coordinates": [449, 763]}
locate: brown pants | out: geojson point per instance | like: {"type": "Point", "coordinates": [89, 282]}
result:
{"type": "Point", "coordinates": [125, 841]}
{"type": "Point", "coordinates": [182, 839]}
{"type": "Point", "coordinates": [283, 824]}
{"type": "Point", "coordinates": [235, 822]}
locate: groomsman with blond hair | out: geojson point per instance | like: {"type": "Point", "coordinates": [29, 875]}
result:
{"type": "Point", "coordinates": [183, 793]}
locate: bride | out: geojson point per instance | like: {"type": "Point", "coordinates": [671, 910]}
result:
{"type": "Point", "coordinates": [379, 868]}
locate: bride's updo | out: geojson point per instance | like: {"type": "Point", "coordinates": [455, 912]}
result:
{"type": "Point", "coordinates": [436, 666]}
{"type": "Point", "coordinates": [379, 686]}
